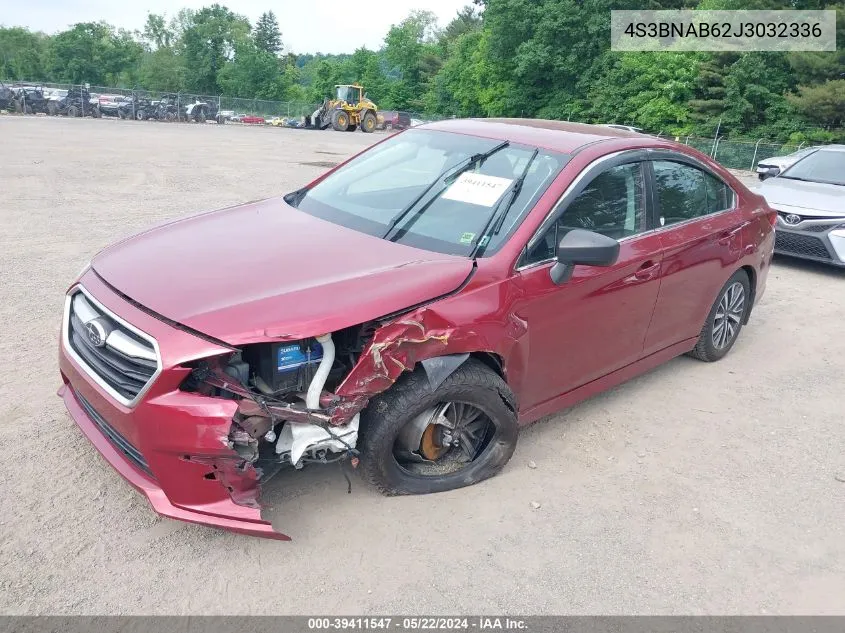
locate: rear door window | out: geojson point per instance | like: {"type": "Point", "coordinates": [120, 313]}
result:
{"type": "Point", "coordinates": [686, 192]}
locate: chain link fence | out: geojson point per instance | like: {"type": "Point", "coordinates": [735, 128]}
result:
{"type": "Point", "coordinates": [35, 97]}
{"type": "Point", "coordinates": [740, 154]}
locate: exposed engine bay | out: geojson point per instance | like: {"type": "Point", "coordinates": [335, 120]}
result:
{"type": "Point", "coordinates": [285, 391]}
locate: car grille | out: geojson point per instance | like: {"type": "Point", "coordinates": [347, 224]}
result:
{"type": "Point", "coordinates": [797, 244]}
{"type": "Point", "coordinates": [117, 440]}
{"type": "Point", "coordinates": [122, 360]}
{"type": "Point", "coordinates": [817, 228]}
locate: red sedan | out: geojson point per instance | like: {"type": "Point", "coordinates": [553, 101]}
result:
{"type": "Point", "coordinates": [408, 310]}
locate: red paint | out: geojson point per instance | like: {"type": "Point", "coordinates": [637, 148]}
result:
{"type": "Point", "coordinates": [265, 271]}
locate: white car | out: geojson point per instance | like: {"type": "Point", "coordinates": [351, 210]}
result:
{"type": "Point", "coordinates": [630, 128]}
{"type": "Point", "coordinates": [809, 197]}
{"type": "Point", "coordinates": [770, 167]}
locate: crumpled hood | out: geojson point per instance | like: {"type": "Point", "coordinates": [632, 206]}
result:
{"type": "Point", "coordinates": [265, 270]}
{"type": "Point", "coordinates": [808, 198]}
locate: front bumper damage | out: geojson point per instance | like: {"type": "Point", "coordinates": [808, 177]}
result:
{"type": "Point", "coordinates": [173, 446]}
{"type": "Point", "coordinates": [176, 447]}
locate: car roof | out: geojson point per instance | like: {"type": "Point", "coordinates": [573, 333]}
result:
{"type": "Point", "coordinates": [561, 136]}
{"type": "Point", "coordinates": [832, 148]}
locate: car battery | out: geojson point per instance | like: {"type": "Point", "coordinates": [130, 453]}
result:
{"type": "Point", "coordinates": [286, 367]}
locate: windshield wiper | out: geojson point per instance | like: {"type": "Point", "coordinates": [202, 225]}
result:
{"type": "Point", "coordinates": [497, 217]}
{"type": "Point", "coordinates": [452, 172]}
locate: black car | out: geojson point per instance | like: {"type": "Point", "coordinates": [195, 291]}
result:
{"type": "Point", "coordinates": [77, 102]}
{"type": "Point", "coordinates": [29, 100]}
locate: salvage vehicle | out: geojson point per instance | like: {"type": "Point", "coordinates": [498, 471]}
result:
{"type": "Point", "coordinates": [392, 120]}
{"type": "Point", "coordinates": [809, 198]}
{"type": "Point", "coordinates": [135, 107]}
{"type": "Point", "coordinates": [505, 270]}
{"type": "Point", "coordinates": [202, 111]}
{"type": "Point", "coordinates": [110, 104]}
{"type": "Point", "coordinates": [30, 100]}
{"type": "Point", "coordinates": [77, 101]}
{"type": "Point", "coordinates": [7, 97]}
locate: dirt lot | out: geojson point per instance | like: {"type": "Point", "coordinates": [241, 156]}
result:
{"type": "Point", "coordinates": [696, 488]}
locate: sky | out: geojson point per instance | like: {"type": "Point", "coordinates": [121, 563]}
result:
{"type": "Point", "coordinates": [308, 26]}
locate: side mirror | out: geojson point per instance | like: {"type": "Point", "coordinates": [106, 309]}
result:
{"type": "Point", "coordinates": [774, 172]}
{"type": "Point", "coordinates": [585, 248]}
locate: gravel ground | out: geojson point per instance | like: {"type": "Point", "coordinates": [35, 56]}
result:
{"type": "Point", "coordinates": [697, 488]}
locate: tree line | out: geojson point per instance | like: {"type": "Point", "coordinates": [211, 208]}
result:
{"type": "Point", "coordinates": [529, 58]}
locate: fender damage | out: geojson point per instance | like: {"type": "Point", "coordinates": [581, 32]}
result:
{"type": "Point", "coordinates": [397, 346]}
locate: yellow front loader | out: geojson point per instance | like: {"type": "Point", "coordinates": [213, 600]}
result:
{"type": "Point", "coordinates": [349, 110]}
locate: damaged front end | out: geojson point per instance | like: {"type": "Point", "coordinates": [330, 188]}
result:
{"type": "Point", "coordinates": [287, 414]}
{"type": "Point", "coordinates": [218, 421]}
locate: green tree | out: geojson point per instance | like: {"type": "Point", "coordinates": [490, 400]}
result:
{"type": "Point", "coordinates": [93, 52]}
{"type": "Point", "coordinates": [824, 103]}
{"type": "Point", "coordinates": [163, 69]}
{"type": "Point", "coordinates": [157, 32]}
{"type": "Point", "coordinates": [208, 43]}
{"type": "Point", "coordinates": [256, 73]}
{"type": "Point", "coordinates": [22, 53]}
{"type": "Point", "coordinates": [267, 36]}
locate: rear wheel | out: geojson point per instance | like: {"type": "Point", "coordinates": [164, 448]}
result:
{"type": "Point", "coordinates": [417, 440]}
{"type": "Point", "coordinates": [140, 115]}
{"type": "Point", "coordinates": [201, 116]}
{"type": "Point", "coordinates": [368, 122]}
{"type": "Point", "coordinates": [340, 120]}
{"type": "Point", "coordinates": [724, 322]}
{"type": "Point", "coordinates": [73, 111]}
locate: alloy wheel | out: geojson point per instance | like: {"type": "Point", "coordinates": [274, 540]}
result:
{"type": "Point", "coordinates": [728, 316]}
{"type": "Point", "coordinates": [443, 439]}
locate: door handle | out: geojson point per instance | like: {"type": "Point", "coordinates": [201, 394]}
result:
{"type": "Point", "coordinates": [647, 271]}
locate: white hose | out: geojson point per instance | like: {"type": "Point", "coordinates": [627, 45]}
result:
{"type": "Point", "coordinates": [312, 398]}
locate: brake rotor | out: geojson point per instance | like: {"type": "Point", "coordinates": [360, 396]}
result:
{"type": "Point", "coordinates": [431, 443]}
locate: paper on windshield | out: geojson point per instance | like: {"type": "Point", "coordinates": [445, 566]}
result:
{"type": "Point", "coordinates": [477, 189]}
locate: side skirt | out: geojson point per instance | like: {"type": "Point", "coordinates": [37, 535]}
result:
{"type": "Point", "coordinates": [604, 383]}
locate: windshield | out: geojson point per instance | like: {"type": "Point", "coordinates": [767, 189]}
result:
{"type": "Point", "coordinates": [348, 94]}
{"type": "Point", "coordinates": [825, 166]}
{"type": "Point", "coordinates": [411, 180]}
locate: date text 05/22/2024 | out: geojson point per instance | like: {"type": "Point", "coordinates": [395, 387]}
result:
{"type": "Point", "coordinates": [417, 623]}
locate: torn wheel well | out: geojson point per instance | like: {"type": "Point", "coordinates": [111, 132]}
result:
{"type": "Point", "coordinates": [493, 361]}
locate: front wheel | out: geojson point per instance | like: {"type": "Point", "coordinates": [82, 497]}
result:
{"type": "Point", "coordinates": [725, 319]}
{"type": "Point", "coordinates": [340, 120]}
{"type": "Point", "coordinates": [418, 440]}
{"type": "Point", "coordinates": [368, 122]}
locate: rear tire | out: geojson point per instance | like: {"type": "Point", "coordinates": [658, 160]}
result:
{"type": "Point", "coordinates": [724, 321]}
{"type": "Point", "coordinates": [73, 111]}
{"type": "Point", "coordinates": [383, 421]}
